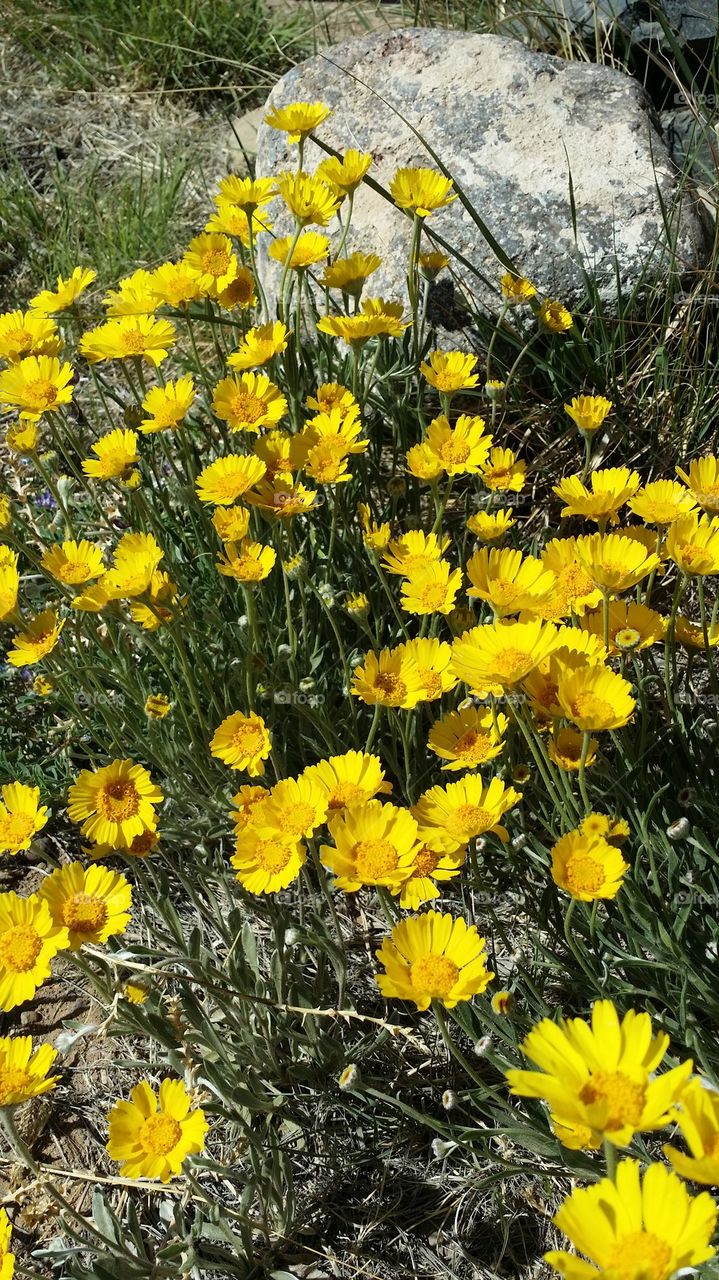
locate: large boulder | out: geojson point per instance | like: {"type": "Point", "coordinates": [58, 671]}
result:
{"type": "Point", "coordinates": [518, 130]}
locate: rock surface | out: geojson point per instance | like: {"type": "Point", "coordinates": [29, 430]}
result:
{"type": "Point", "coordinates": [510, 125]}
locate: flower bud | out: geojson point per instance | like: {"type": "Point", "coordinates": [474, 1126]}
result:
{"type": "Point", "coordinates": [679, 830]}
{"type": "Point", "coordinates": [449, 1100]}
{"type": "Point", "coordinates": [350, 1077]}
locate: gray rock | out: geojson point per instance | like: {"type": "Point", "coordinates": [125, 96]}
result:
{"type": "Point", "coordinates": [688, 20]}
{"type": "Point", "coordinates": [511, 125]}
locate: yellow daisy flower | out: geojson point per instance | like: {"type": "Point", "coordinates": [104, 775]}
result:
{"type": "Point", "coordinates": [693, 544]}
{"type": "Point", "coordinates": [167, 406]}
{"type": "Point", "coordinates": [432, 589]}
{"type": "Point", "coordinates": [73, 562]}
{"type": "Point", "coordinates": [431, 263]}
{"type": "Point", "coordinates": [212, 257]}
{"type": "Point", "coordinates": [240, 292]}
{"type": "Point", "coordinates": [332, 395]}
{"type": "Point", "coordinates": [413, 552]}
{"type": "Point", "coordinates": [507, 580]}
{"type": "Point", "coordinates": [697, 1115]}
{"type": "Point", "coordinates": [433, 957]}
{"type": "Point", "coordinates": [136, 558]}
{"type": "Point", "coordinates": [231, 524]}
{"type": "Point", "coordinates": [374, 844]}
{"type": "Point", "coordinates": [614, 563]}
{"type": "Point", "coordinates": [116, 453]}
{"type": "Point", "coordinates": [349, 779]}
{"type": "Point", "coordinates": [298, 119]}
{"type": "Point", "coordinates": [37, 640]}
{"type": "Point", "coordinates": [421, 191]}
{"type": "Point", "coordinates": [450, 371]}
{"type": "Point", "coordinates": [501, 654]}
{"type": "Point", "coordinates": [9, 583]}
{"type": "Point", "coordinates": [503, 472]}
{"type": "Point", "coordinates": [601, 1078]}
{"type": "Point", "coordinates": [594, 698]}
{"type": "Point", "coordinates": [26, 333]}
{"type": "Point", "coordinates": [376, 318]}
{"type": "Point", "coordinates": [134, 296]}
{"type": "Point", "coordinates": [249, 402]}
{"type": "Point", "coordinates": [465, 809]}
{"type": "Point", "coordinates": [242, 742]}
{"type": "Point", "coordinates": [157, 706]}
{"type": "Point", "coordinates": [293, 809]}
{"type": "Point", "coordinates": [281, 499]}
{"type": "Point", "coordinates": [49, 301]}
{"type": "Point", "coordinates": [468, 738]}
{"type": "Point", "coordinates": [490, 526]}
{"type": "Point", "coordinates": [350, 274]}
{"type": "Point", "coordinates": [36, 385]}
{"type": "Point", "coordinates": [587, 867]}
{"type": "Point", "coordinates": [115, 803]}
{"type": "Point", "coordinates": [703, 481]}
{"type": "Point", "coordinates": [429, 866]}
{"type": "Point", "coordinates": [152, 1136]}
{"type": "Point", "coordinates": [29, 940]}
{"type": "Point", "coordinates": [247, 561]}
{"type": "Point", "coordinates": [23, 1075]}
{"type": "Point", "coordinates": [345, 172]}
{"type": "Point", "coordinates": [265, 862]}
{"type": "Point", "coordinates": [588, 412]}
{"type": "Point", "coordinates": [21, 816]}
{"type": "Point", "coordinates": [554, 316]}
{"type": "Point", "coordinates": [610, 489]}
{"type": "Point", "coordinates": [390, 679]}
{"type": "Point", "coordinates": [423, 463]}
{"type": "Point", "coordinates": [309, 249]}
{"type": "Point", "coordinates": [462, 449]}
{"type": "Point", "coordinates": [308, 198]}
{"type": "Point", "coordinates": [248, 193]}
{"type": "Point", "coordinates": [433, 659]}
{"type": "Point", "coordinates": [230, 219]}
{"type": "Point", "coordinates": [635, 1229]}
{"type": "Point", "coordinates": [565, 750]}
{"type": "Point", "coordinates": [258, 346]}
{"type": "Point", "coordinates": [631, 626]}
{"type": "Point", "coordinates": [175, 284]}
{"type": "Point", "coordinates": [131, 337]}
{"type": "Point", "coordinates": [376, 537]}
{"type": "Point", "coordinates": [516, 289]}
{"type": "Point", "coordinates": [227, 479]}
{"type": "Point", "coordinates": [92, 903]}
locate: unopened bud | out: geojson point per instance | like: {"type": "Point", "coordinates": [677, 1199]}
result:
{"type": "Point", "coordinates": [440, 1148]}
{"type": "Point", "coordinates": [679, 830]}
{"type": "Point", "coordinates": [449, 1100]}
{"type": "Point", "coordinates": [481, 1046]}
{"type": "Point", "coordinates": [350, 1077]}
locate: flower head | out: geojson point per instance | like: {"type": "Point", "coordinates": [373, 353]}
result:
{"type": "Point", "coordinates": [21, 816]}
{"type": "Point", "coordinates": [432, 589]}
{"type": "Point", "coordinates": [463, 448]}
{"type": "Point", "coordinates": [36, 385]}
{"type": "Point", "coordinates": [501, 654]}
{"type": "Point", "coordinates": [490, 526]}
{"type": "Point", "coordinates": [588, 412]}
{"type": "Point", "coordinates": [697, 1115]}
{"type": "Point", "coordinates": [37, 640]}
{"type": "Point", "coordinates": [167, 406]}
{"type": "Point", "coordinates": [353, 778]}
{"type": "Point", "coordinates": [249, 402]}
{"type": "Point", "coordinates": [375, 319]}
{"type": "Point", "coordinates": [157, 706]}
{"type": "Point", "coordinates": [632, 626]}
{"type": "Point", "coordinates": [297, 119]}
{"type": "Point", "coordinates": [614, 563]}
{"type": "Point", "coordinates": [306, 251]}
{"type": "Point", "coordinates": [350, 274]}
{"type": "Point", "coordinates": [175, 284]}
{"type": "Point", "coordinates": [135, 296]}
{"type": "Point", "coordinates": [633, 1228]}
{"type": "Point", "coordinates": [152, 1135]}
{"type": "Point", "coordinates": [516, 289]}
{"type": "Point", "coordinates": [450, 371]}
{"type": "Point", "coordinates": [130, 337]}
{"type": "Point", "coordinates": [433, 957]}
{"type": "Point", "coordinates": [433, 659]}
{"type": "Point", "coordinates": [693, 544]}
{"type": "Point", "coordinates": [258, 346]}
{"type": "Point", "coordinates": [211, 256]}
{"type": "Point", "coordinates": [115, 455]}
{"type": "Point", "coordinates": [566, 749]}
{"type": "Point", "coordinates": [242, 742]}
{"type": "Point", "coordinates": [49, 301]}
{"type": "Point", "coordinates": [594, 698]}
{"type": "Point", "coordinates": [507, 580]}
{"type": "Point", "coordinates": [468, 738]}
{"type": "Point", "coordinates": [23, 1075]}
{"type": "Point", "coordinates": [463, 810]}
{"type": "Point", "coordinates": [503, 471]}
{"type": "Point", "coordinates": [27, 334]}
{"type": "Point", "coordinates": [115, 803]}
{"type": "Point", "coordinates": [29, 940]}
{"type": "Point", "coordinates": [554, 316]}
{"type": "Point", "coordinates": [421, 191]}
{"type": "Point", "coordinates": [247, 561]}
{"type": "Point", "coordinates": [703, 481]}
{"type": "Point", "coordinates": [73, 562]}
{"type": "Point", "coordinates": [308, 198]}
{"type": "Point", "coordinates": [587, 867]}
{"type": "Point", "coordinates": [600, 1079]}
{"type": "Point", "coordinates": [388, 679]}
{"type": "Point", "coordinates": [266, 861]}
{"type": "Point", "coordinates": [609, 490]}
{"type": "Point", "coordinates": [374, 844]}
{"type": "Point", "coordinates": [345, 172]}
{"type": "Point", "coordinates": [92, 903]}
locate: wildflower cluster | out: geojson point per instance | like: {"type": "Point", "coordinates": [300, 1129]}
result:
{"type": "Point", "coordinates": [348, 657]}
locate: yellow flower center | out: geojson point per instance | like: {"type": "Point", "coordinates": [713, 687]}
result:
{"type": "Point", "coordinates": [74, 571]}
{"type": "Point", "coordinates": [662, 512]}
{"type": "Point", "coordinates": [584, 874]}
{"type": "Point", "coordinates": [246, 407]}
{"type": "Point", "coordinates": [627, 638]}
{"type": "Point", "coordinates": [454, 450]}
{"type": "Point", "coordinates": [472, 746]}
{"type": "Point", "coordinates": [434, 975]}
{"type": "Point", "coordinates": [298, 819]}
{"type": "Point", "coordinates": [374, 859]}
{"type": "Point", "coordinates": [512, 664]}
{"type": "Point", "coordinates": [20, 946]}
{"type": "Point", "coordinates": [431, 682]}
{"type": "Point", "coordinates": [13, 1080]}
{"type": "Point", "coordinates": [169, 413]}
{"type": "Point", "coordinates": [469, 820]}
{"type": "Point", "coordinates": [587, 706]}
{"type": "Point", "coordinates": [160, 1134]}
{"type": "Point", "coordinates": [692, 557]}
{"type": "Point", "coordinates": [574, 582]}
{"type": "Point", "coordinates": [503, 592]}
{"type": "Point", "coordinates": [83, 913]}
{"type": "Point", "coordinates": [16, 828]}
{"type": "Point", "coordinates": [425, 862]}
{"type": "Point", "coordinates": [132, 342]}
{"type": "Point", "coordinates": [640, 1256]}
{"type": "Point", "coordinates": [345, 793]}
{"type": "Point", "coordinates": [215, 262]}
{"type": "Point", "coordinates": [390, 688]}
{"type": "Point", "coordinates": [142, 844]}
{"type": "Point", "coordinates": [623, 1098]}
{"type": "Point", "coordinates": [117, 801]}
{"type": "Point", "coordinates": [248, 739]}
{"type": "Point", "coordinates": [432, 595]}
{"type": "Point", "coordinates": [42, 392]}
{"type": "Point", "coordinates": [273, 855]}
{"type": "Point", "coordinates": [248, 568]}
